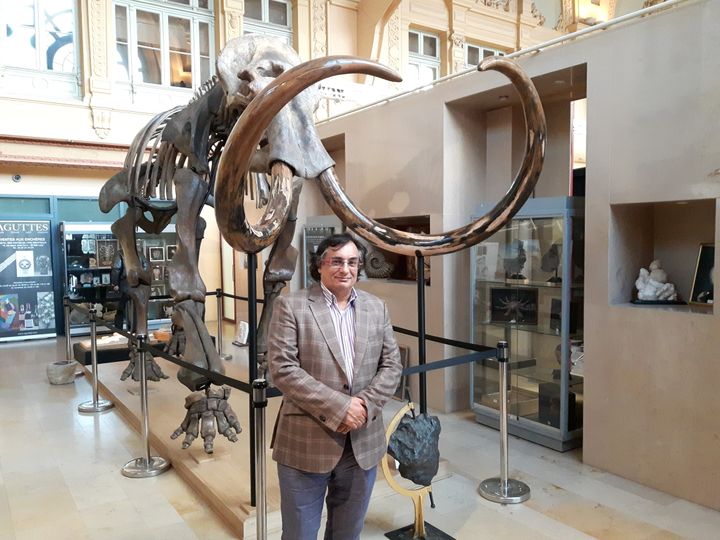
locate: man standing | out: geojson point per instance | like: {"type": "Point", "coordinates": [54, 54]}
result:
{"type": "Point", "coordinates": [333, 355]}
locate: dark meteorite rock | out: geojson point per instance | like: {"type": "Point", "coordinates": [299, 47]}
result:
{"type": "Point", "coordinates": [415, 445]}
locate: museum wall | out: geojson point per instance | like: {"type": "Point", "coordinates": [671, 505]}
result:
{"type": "Point", "coordinates": [651, 413]}
{"type": "Point", "coordinates": [651, 401]}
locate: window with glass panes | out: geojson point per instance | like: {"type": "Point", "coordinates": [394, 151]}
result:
{"type": "Point", "coordinates": [38, 35]}
{"type": "Point", "coordinates": [269, 17]}
{"type": "Point", "coordinates": [423, 57]}
{"type": "Point", "coordinates": [166, 42]}
{"type": "Point", "coordinates": [475, 53]}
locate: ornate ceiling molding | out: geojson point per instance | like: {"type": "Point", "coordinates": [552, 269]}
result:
{"type": "Point", "coordinates": [319, 28]}
{"type": "Point", "coordinates": [394, 42]}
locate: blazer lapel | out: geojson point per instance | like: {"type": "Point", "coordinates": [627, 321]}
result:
{"type": "Point", "coordinates": [321, 313]}
{"type": "Point", "coordinates": [362, 320]}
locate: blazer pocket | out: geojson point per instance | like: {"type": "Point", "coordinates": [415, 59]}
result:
{"type": "Point", "coordinates": [290, 409]}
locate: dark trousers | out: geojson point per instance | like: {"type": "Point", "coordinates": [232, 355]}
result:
{"type": "Point", "coordinates": [348, 490]}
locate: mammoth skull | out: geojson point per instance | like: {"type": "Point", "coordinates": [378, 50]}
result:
{"type": "Point", "coordinates": [288, 88]}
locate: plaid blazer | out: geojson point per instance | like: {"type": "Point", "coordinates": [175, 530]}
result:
{"type": "Point", "coordinates": [305, 363]}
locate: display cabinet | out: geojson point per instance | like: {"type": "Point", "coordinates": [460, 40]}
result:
{"type": "Point", "coordinates": [527, 282]}
{"type": "Point", "coordinates": [89, 252]}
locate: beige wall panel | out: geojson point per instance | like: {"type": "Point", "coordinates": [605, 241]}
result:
{"type": "Point", "coordinates": [465, 184]}
{"type": "Point", "coordinates": [431, 14]}
{"type": "Point", "coordinates": [490, 27]}
{"type": "Point", "coordinates": [209, 263]}
{"type": "Point", "coordinates": [555, 178]}
{"type": "Point", "coordinates": [51, 181]}
{"type": "Point", "coordinates": [342, 25]}
{"type": "Point", "coordinates": [498, 165]}
{"type": "Point", "coordinates": [71, 121]}
{"type": "Point", "coordinates": [649, 416]}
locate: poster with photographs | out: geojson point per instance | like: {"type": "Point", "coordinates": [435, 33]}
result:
{"type": "Point", "coordinates": [312, 236]}
{"type": "Point", "coordinates": [158, 273]}
{"type": "Point", "coordinates": [156, 254]}
{"type": "Point", "coordinates": [27, 304]}
{"type": "Point", "coordinates": [106, 250]}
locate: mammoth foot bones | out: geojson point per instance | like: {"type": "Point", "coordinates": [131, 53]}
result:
{"type": "Point", "coordinates": [204, 410]}
{"type": "Point", "coordinates": [152, 369]}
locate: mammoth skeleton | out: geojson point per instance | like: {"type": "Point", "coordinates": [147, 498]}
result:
{"type": "Point", "coordinates": [257, 116]}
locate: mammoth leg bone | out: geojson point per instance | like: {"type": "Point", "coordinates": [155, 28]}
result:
{"type": "Point", "coordinates": [204, 411]}
{"type": "Point", "coordinates": [138, 278]}
{"type": "Point", "coordinates": [279, 270]}
{"type": "Point", "coordinates": [190, 336]}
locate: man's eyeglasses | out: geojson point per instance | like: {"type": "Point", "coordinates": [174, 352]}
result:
{"type": "Point", "coordinates": [339, 262]}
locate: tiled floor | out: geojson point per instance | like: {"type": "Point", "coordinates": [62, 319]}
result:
{"type": "Point", "coordinates": [59, 478]}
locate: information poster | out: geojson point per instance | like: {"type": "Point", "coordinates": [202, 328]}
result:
{"type": "Point", "coordinates": [27, 303]}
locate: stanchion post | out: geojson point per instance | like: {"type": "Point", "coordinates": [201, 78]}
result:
{"type": "Point", "coordinates": [68, 342]}
{"type": "Point", "coordinates": [97, 404]}
{"type": "Point", "coordinates": [422, 355]}
{"type": "Point", "coordinates": [260, 403]}
{"type": "Point", "coordinates": [252, 359]}
{"type": "Point", "coordinates": [146, 466]}
{"type": "Point", "coordinates": [501, 489]}
{"type": "Point", "coordinates": [219, 344]}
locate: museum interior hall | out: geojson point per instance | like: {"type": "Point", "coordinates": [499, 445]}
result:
{"type": "Point", "coordinates": [534, 185]}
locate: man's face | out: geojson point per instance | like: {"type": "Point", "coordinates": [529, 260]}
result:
{"type": "Point", "coordinates": [336, 269]}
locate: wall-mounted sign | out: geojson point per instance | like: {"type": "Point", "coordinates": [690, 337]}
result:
{"type": "Point", "coordinates": [27, 304]}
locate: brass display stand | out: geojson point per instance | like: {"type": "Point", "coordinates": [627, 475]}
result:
{"type": "Point", "coordinates": [419, 529]}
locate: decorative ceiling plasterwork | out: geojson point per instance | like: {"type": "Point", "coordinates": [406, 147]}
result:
{"type": "Point", "coordinates": [567, 16]}
{"type": "Point", "coordinates": [319, 28]}
{"type": "Point", "coordinates": [612, 5]}
{"type": "Point", "coordinates": [394, 42]}
{"type": "Point", "coordinates": [319, 46]}
{"type": "Point", "coordinates": [535, 12]}
{"type": "Point", "coordinates": [102, 121]}
{"type": "Point", "coordinates": [99, 84]}
{"type": "Point", "coordinates": [457, 52]}
{"type": "Point", "coordinates": [498, 4]}
{"type": "Point", "coordinates": [98, 27]}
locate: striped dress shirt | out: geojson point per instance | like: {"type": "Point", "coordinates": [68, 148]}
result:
{"type": "Point", "coordinates": [344, 323]}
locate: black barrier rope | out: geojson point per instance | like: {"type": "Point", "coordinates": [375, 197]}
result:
{"type": "Point", "coordinates": [482, 352]}
{"type": "Point", "coordinates": [490, 352]}
{"type": "Point", "coordinates": [213, 376]}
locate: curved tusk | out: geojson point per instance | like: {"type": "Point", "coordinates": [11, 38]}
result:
{"type": "Point", "coordinates": [244, 139]}
{"type": "Point", "coordinates": [406, 243]}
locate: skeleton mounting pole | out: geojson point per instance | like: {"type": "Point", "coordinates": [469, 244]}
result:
{"type": "Point", "coordinates": [220, 316]}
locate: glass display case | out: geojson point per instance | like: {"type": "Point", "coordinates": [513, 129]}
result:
{"type": "Point", "coordinates": [527, 282]}
{"type": "Point", "coordinates": [89, 252]}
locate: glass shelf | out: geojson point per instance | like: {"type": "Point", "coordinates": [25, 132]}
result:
{"type": "Point", "coordinates": [539, 375]}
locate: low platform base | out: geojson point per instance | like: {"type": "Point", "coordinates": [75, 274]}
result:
{"type": "Point", "coordinates": [516, 492]}
{"type": "Point", "coordinates": [407, 533]}
{"type": "Point", "coordinates": [142, 468]}
{"type": "Point", "coordinates": [91, 407]}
